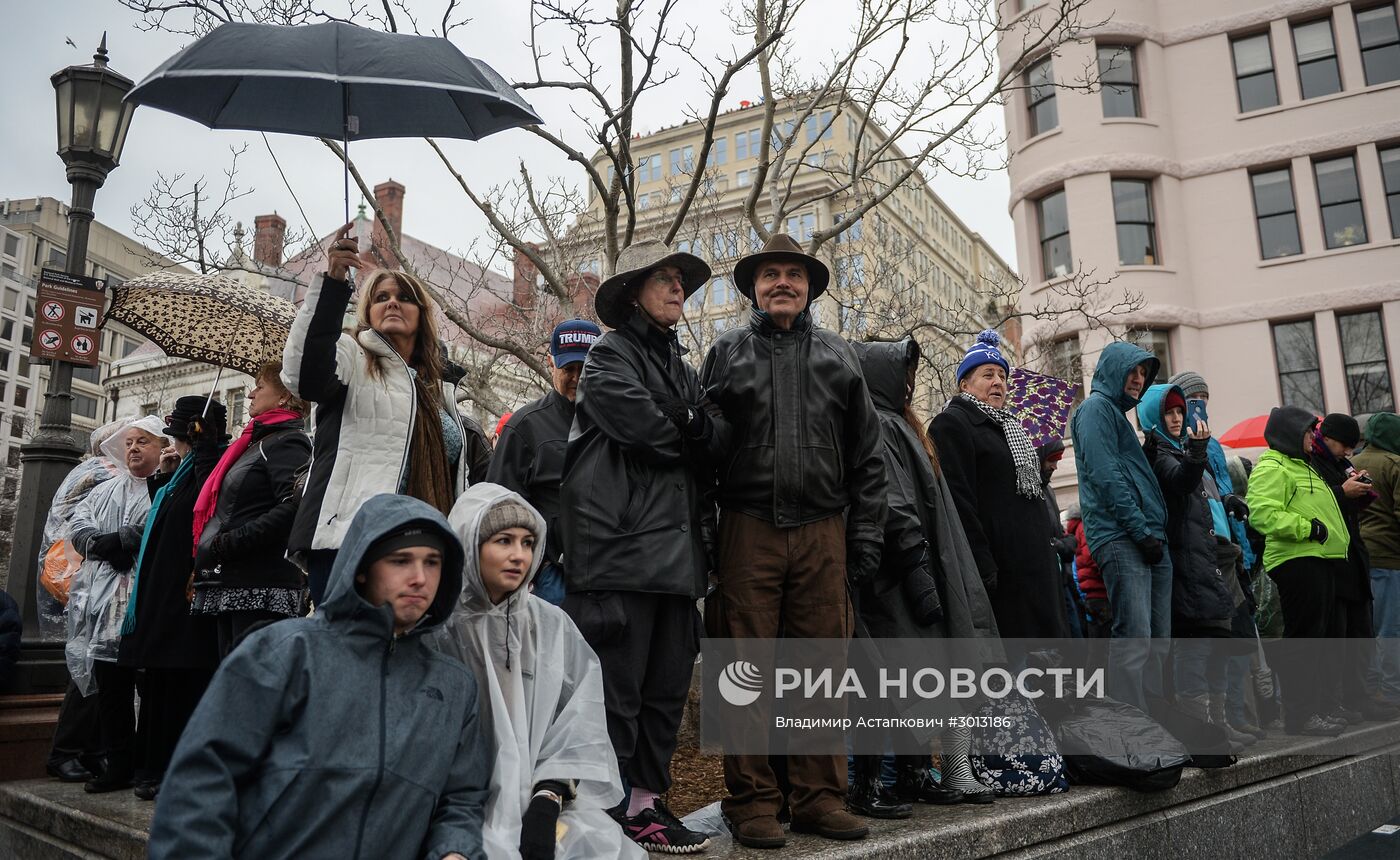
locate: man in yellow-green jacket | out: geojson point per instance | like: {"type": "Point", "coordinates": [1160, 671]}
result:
{"type": "Point", "coordinates": [1305, 552]}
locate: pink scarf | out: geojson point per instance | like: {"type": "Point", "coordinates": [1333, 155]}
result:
{"type": "Point", "coordinates": [209, 494]}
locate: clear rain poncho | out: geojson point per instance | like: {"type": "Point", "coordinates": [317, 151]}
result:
{"type": "Point", "coordinates": [98, 595]}
{"type": "Point", "coordinates": [541, 692]}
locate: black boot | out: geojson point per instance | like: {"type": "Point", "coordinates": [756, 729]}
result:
{"type": "Point", "coordinates": [914, 782]}
{"type": "Point", "coordinates": [868, 796]}
{"type": "Point", "coordinates": [116, 776]}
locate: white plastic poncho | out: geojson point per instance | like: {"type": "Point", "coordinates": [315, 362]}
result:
{"type": "Point", "coordinates": [98, 596]}
{"type": "Point", "coordinates": [545, 712]}
{"type": "Point", "coordinates": [75, 487]}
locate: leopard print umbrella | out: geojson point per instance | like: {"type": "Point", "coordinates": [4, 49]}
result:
{"type": "Point", "coordinates": [209, 318]}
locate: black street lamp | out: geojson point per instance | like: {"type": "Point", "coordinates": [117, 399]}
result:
{"type": "Point", "coordinates": [92, 124]}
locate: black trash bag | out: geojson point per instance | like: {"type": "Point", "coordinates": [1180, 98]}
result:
{"type": "Point", "coordinates": [1106, 742]}
{"type": "Point", "coordinates": [1208, 744]}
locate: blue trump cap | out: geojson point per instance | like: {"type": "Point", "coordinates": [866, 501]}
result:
{"type": "Point", "coordinates": [571, 340]}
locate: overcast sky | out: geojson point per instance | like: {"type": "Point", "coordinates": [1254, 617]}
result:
{"type": "Point", "coordinates": [33, 43]}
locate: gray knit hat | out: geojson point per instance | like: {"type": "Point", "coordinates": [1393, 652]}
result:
{"type": "Point", "coordinates": [1191, 383]}
{"type": "Point", "coordinates": [507, 515]}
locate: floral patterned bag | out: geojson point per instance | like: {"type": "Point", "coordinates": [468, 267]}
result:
{"type": "Point", "coordinates": [1014, 749]}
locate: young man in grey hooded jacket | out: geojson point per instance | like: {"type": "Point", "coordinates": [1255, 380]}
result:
{"type": "Point", "coordinates": [343, 734]}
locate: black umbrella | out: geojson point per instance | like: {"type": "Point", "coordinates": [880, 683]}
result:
{"type": "Point", "coordinates": [336, 81]}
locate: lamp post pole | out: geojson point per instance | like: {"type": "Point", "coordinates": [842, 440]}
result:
{"type": "Point", "coordinates": [92, 125]}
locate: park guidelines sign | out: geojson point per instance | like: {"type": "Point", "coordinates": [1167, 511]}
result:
{"type": "Point", "coordinates": [67, 318]}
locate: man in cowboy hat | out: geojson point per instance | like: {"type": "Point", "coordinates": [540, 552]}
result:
{"type": "Point", "coordinates": [802, 501]}
{"type": "Point", "coordinates": [635, 561]}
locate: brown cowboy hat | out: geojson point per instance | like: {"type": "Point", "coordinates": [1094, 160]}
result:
{"type": "Point", "coordinates": [614, 300]}
{"type": "Point", "coordinates": [781, 246]}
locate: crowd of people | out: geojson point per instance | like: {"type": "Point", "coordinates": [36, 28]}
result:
{"type": "Point", "coordinates": [382, 638]}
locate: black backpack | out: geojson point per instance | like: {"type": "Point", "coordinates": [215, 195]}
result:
{"type": "Point", "coordinates": [1107, 742]}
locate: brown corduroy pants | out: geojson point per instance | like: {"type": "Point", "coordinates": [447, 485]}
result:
{"type": "Point", "coordinates": [789, 582]}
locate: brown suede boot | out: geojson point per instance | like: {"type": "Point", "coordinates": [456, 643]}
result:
{"type": "Point", "coordinates": [836, 824]}
{"type": "Point", "coordinates": [763, 831]}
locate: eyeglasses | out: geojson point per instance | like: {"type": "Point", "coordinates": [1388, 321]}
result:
{"type": "Point", "coordinates": [663, 278]}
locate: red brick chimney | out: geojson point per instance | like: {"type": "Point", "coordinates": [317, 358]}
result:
{"type": "Point", "coordinates": [389, 196]}
{"type": "Point", "coordinates": [523, 276]}
{"type": "Point", "coordinates": [269, 236]}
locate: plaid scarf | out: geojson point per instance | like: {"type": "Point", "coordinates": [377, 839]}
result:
{"type": "Point", "coordinates": [1022, 451]}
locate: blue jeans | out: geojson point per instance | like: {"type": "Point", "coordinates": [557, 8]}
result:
{"type": "Point", "coordinates": [548, 584]}
{"type": "Point", "coordinates": [1384, 674]}
{"type": "Point", "coordinates": [1199, 667]}
{"type": "Point", "coordinates": [1238, 677]}
{"type": "Point", "coordinates": [1141, 598]}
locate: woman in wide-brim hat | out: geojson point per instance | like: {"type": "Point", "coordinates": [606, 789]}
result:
{"type": "Point", "coordinates": [638, 458]}
{"type": "Point", "coordinates": [618, 297]}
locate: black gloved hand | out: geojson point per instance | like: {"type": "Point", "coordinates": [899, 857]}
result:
{"type": "Point", "coordinates": [862, 561]}
{"type": "Point", "coordinates": [1319, 531]}
{"type": "Point", "coordinates": [1100, 612]}
{"type": "Point", "coordinates": [922, 593]}
{"type": "Point", "coordinates": [690, 420]}
{"type": "Point", "coordinates": [537, 828]}
{"type": "Point", "coordinates": [106, 546]}
{"type": "Point", "coordinates": [1151, 549]}
{"type": "Point", "coordinates": [1236, 507]}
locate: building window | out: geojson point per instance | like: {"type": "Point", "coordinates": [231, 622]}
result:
{"type": "Point", "coordinates": [802, 227]}
{"type": "Point", "coordinates": [1137, 228]}
{"type": "Point", "coordinates": [1343, 222]}
{"type": "Point", "coordinates": [1276, 213]}
{"type": "Point", "coordinates": [129, 346]}
{"type": "Point", "coordinates": [818, 126]}
{"type": "Point", "coordinates": [12, 457]}
{"type": "Point", "coordinates": [12, 242]}
{"type": "Point", "coordinates": [743, 178]}
{"type": "Point", "coordinates": [11, 299]}
{"type": "Point", "coordinates": [719, 151]}
{"type": "Point", "coordinates": [746, 144]}
{"type": "Point", "coordinates": [84, 406]}
{"type": "Point", "coordinates": [1390, 172]}
{"type": "Point", "coordinates": [1040, 89]}
{"type": "Point", "coordinates": [1299, 379]}
{"type": "Point", "coordinates": [850, 270]}
{"type": "Point", "coordinates": [21, 397]}
{"type": "Point", "coordinates": [7, 329]}
{"type": "Point", "coordinates": [1318, 72]}
{"type": "Point", "coordinates": [649, 168]}
{"type": "Point", "coordinates": [1067, 363]}
{"type": "Point", "coordinates": [854, 232]}
{"type": "Point", "coordinates": [682, 160]}
{"type": "Point", "coordinates": [1380, 43]}
{"type": "Point", "coordinates": [1118, 79]}
{"type": "Point", "coordinates": [1363, 355]}
{"type": "Point", "coordinates": [58, 259]}
{"type": "Point", "coordinates": [27, 336]}
{"type": "Point", "coordinates": [88, 374]}
{"type": "Point", "coordinates": [1055, 259]}
{"type": "Point", "coordinates": [1158, 342]}
{"type": "Point", "coordinates": [17, 426]}
{"type": "Point", "coordinates": [1254, 72]}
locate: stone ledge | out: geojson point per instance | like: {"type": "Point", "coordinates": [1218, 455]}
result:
{"type": "Point", "coordinates": [1301, 798]}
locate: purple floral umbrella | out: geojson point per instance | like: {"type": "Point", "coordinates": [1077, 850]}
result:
{"type": "Point", "coordinates": [1041, 403]}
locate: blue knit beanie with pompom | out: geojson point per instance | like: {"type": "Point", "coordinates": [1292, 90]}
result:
{"type": "Point", "coordinates": [984, 351]}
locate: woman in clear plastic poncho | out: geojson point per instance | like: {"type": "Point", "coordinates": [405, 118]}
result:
{"type": "Point", "coordinates": [540, 689]}
{"type": "Point", "coordinates": [99, 591]}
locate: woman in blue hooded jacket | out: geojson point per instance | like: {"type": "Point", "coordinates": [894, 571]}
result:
{"type": "Point", "coordinates": [1204, 592]}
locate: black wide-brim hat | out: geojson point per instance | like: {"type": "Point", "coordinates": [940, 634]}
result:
{"type": "Point", "coordinates": [614, 300]}
{"type": "Point", "coordinates": [781, 246]}
{"type": "Point", "coordinates": [192, 407]}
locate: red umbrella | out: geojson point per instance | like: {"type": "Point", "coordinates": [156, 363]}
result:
{"type": "Point", "coordinates": [1249, 433]}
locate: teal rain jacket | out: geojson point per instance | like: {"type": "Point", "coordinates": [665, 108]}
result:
{"type": "Point", "coordinates": [1118, 493]}
{"type": "Point", "coordinates": [331, 737]}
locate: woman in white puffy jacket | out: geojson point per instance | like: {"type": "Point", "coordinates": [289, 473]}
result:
{"type": "Point", "coordinates": [383, 422]}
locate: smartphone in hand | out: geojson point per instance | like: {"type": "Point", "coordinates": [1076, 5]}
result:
{"type": "Point", "coordinates": [1195, 414]}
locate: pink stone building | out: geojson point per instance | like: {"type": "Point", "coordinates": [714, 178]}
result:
{"type": "Point", "coordinates": [1240, 169]}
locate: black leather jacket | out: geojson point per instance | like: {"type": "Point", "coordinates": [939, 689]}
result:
{"type": "Point", "coordinates": [635, 488]}
{"type": "Point", "coordinates": [800, 435]}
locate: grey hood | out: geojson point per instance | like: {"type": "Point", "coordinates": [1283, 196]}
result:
{"type": "Point", "coordinates": [379, 517]}
{"type": "Point", "coordinates": [508, 622]}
